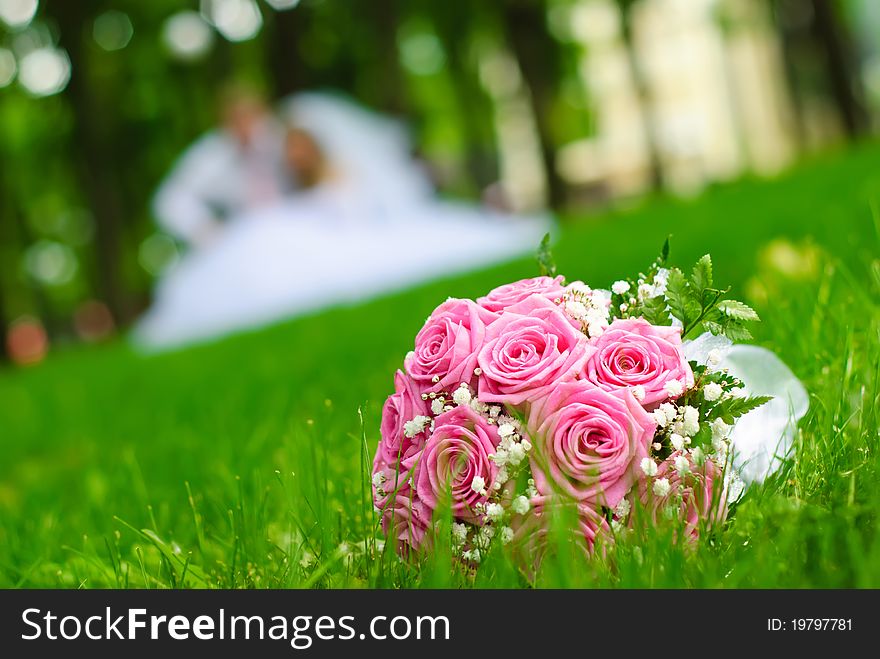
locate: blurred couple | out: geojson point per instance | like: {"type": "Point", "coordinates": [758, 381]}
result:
{"type": "Point", "coordinates": [314, 204]}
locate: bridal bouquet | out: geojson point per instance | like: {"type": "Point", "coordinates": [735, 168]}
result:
{"type": "Point", "coordinates": [545, 396]}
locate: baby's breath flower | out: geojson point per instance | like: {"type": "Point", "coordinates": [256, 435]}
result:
{"type": "Point", "coordinates": [575, 309]}
{"type": "Point", "coordinates": [516, 454]}
{"type": "Point", "coordinates": [484, 537]}
{"type": "Point", "coordinates": [499, 457]}
{"type": "Point", "coordinates": [622, 508]}
{"type": "Point", "coordinates": [478, 485]}
{"type": "Point", "coordinates": [620, 287]}
{"type": "Point", "coordinates": [462, 395]}
{"type": "Point", "coordinates": [720, 430]}
{"type": "Point", "coordinates": [595, 330]}
{"type": "Point", "coordinates": [437, 405]}
{"type": "Point", "coordinates": [520, 505]}
{"type": "Point", "coordinates": [472, 555]}
{"type": "Point", "coordinates": [459, 532]}
{"type": "Point", "coordinates": [697, 456]}
{"type": "Point", "coordinates": [417, 425]}
{"type": "Point", "coordinates": [661, 487]}
{"type": "Point", "coordinates": [682, 466]}
{"type": "Point", "coordinates": [506, 534]}
{"type": "Point", "coordinates": [712, 391]}
{"type": "Point", "coordinates": [660, 418]}
{"type": "Point", "coordinates": [494, 511]}
{"type": "Point", "coordinates": [677, 441]}
{"type": "Point", "coordinates": [673, 388]}
{"type": "Point", "coordinates": [506, 430]}
{"type": "Point", "coordinates": [649, 467]}
{"type": "Point", "coordinates": [638, 392]}
{"type": "Point", "coordinates": [714, 357]}
{"type": "Point", "coordinates": [526, 444]}
{"type": "Point", "coordinates": [690, 421]}
{"type": "Point", "coordinates": [669, 410]}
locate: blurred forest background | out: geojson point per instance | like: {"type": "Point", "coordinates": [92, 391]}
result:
{"type": "Point", "coordinates": [566, 104]}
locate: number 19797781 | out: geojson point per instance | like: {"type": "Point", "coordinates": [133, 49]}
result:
{"type": "Point", "coordinates": [809, 624]}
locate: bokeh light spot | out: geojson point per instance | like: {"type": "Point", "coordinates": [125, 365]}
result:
{"type": "Point", "coordinates": [422, 53]}
{"type": "Point", "coordinates": [44, 71]}
{"type": "Point", "coordinates": [187, 36]}
{"type": "Point", "coordinates": [18, 13]}
{"type": "Point", "coordinates": [236, 20]}
{"type": "Point", "coordinates": [8, 67]}
{"type": "Point", "coordinates": [51, 263]}
{"type": "Point", "coordinates": [112, 30]}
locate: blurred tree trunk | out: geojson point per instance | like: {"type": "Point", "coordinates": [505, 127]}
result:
{"type": "Point", "coordinates": [4, 323]}
{"type": "Point", "coordinates": [643, 95]}
{"type": "Point", "coordinates": [386, 17]}
{"type": "Point", "coordinates": [288, 74]}
{"type": "Point", "coordinates": [473, 105]}
{"type": "Point", "coordinates": [536, 52]}
{"type": "Point", "coordinates": [93, 159]}
{"type": "Point", "coordinates": [836, 44]}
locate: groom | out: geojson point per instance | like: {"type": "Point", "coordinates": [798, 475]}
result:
{"type": "Point", "coordinates": [238, 167]}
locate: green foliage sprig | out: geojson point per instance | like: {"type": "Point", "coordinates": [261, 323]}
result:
{"type": "Point", "coordinates": [545, 259]}
{"type": "Point", "coordinates": [693, 300]}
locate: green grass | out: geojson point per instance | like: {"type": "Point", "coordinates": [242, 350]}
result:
{"type": "Point", "coordinates": [241, 464]}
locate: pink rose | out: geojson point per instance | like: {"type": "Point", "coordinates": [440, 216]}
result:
{"type": "Point", "coordinates": [406, 521]}
{"type": "Point", "coordinates": [505, 296]}
{"type": "Point", "coordinates": [531, 531]}
{"type": "Point", "coordinates": [403, 405]}
{"type": "Point", "coordinates": [632, 352]}
{"type": "Point", "coordinates": [389, 479]}
{"type": "Point", "coordinates": [528, 349]}
{"type": "Point", "coordinates": [457, 452]}
{"type": "Point", "coordinates": [446, 347]}
{"type": "Point", "coordinates": [589, 442]}
{"type": "Point", "coordinates": [696, 499]}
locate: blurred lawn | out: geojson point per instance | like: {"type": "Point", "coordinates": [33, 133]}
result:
{"type": "Point", "coordinates": [263, 428]}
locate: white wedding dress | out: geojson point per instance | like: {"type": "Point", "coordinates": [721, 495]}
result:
{"type": "Point", "coordinates": [374, 228]}
{"type": "Point", "coordinates": [762, 439]}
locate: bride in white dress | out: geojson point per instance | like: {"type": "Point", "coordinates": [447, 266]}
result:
{"type": "Point", "coordinates": [367, 223]}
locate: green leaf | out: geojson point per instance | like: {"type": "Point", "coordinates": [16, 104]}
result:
{"type": "Point", "coordinates": [545, 257]}
{"type": "Point", "coordinates": [680, 297]}
{"type": "Point", "coordinates": [703, 436]}
{"type": "Point", "coordinates": [737, 332]}
{"type": "Point", "coordinates": [702, 275]}
{"type": "Point", "coordinates": [664, 253]}
{"type": "Point", "coordinates": [738, 310]}
{"type": "Point", "coordinates": [654, 311]}
{"type": "Point", "coordinates": [731, 409]}
{"type": "Point", "coordinates": [713, 327]}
